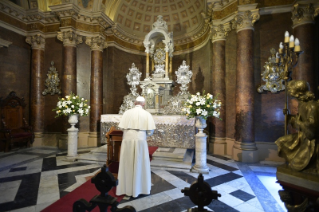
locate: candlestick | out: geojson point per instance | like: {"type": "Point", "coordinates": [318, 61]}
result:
{"type": "Point", "coordinates": [297, 45]}
{"type": "Point", "coordinates": [291, 42]}
{"type": "Point", "coordinates": [286, 37]}
{"type": "Point", "coordinates": [281, 47]}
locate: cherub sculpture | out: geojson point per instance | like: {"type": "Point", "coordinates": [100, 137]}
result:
{"type": "Point", "coordinates": [301, 149]}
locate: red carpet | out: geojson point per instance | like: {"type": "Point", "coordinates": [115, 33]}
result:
{"type": "Point", "coordinates": [86, 191]}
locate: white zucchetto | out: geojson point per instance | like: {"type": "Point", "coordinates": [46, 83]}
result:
{"type": "Point", "coordinates": [140, 99]}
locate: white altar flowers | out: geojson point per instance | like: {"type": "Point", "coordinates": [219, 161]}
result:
{"type": "Point", "coordinates": [71, 105]}
{"type": "Point", "coordinates": [204, 105]}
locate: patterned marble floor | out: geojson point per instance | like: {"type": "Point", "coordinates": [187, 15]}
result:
{"type": "Point", "coordinates": [33, 178]}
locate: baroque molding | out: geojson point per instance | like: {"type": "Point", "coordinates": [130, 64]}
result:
{"type": "Point", "coordinates": [36, 41]}
{"type": "Point", "coordinates": [220, 32]}
{"type": "Point", "coordinates": [69, 38]}
{"type": "Point", "coordinates": [27, 16]}
{"type": "Point", "coordinates": [303, 14]}
{"type": "Point", "coordinates": [96, 43]}
{"type": "Point", "coordinates": [219, 4]}
{"type": "Point", "coordinates": [245, 20]}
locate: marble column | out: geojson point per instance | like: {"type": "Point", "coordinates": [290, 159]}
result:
{"type": "Point", "coordinates": [304, 29]}
{"type": "Point", "coordinates": [37, 103]}
{"type": "Point", "coordinates": [217, 129]}
{"type": "Point", "coordinates": [97, 45]}
{"type": "Point", "coordinates": [68, 79]}
{"type": "Point", "coordinates": [245, 149]}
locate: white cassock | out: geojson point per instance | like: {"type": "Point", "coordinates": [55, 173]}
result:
{"type": "Point", "coordinates": [134, 175]}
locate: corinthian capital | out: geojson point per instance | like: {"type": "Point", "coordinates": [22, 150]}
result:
{"type": "Point", "coordinates": [245, 20]}
{"type": "Point", "coordinates": [69, 38]}
{"type": "Point", "coordinates": [36, 41]}
{"type": "Point", "coordinates": [303, 14]}
{"type": "Point", "coordinates": [96, 43]}
{"type": "Point", "coordinates": [220, 32]}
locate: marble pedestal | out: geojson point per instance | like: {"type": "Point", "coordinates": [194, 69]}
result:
{"type": "Point", "coordinates": [200, 154]}
{"type": "Point", "coordinates": [300, 189]}
{"type": "Point", "coordinates": [72, 144]}
{"type": "Point", "coordinates": [300, 179]}
{"type": "Point", "coordinates": [72, 138]}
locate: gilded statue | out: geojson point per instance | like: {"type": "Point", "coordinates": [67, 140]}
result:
{"type": "Point", "coordinates": [301, 149]}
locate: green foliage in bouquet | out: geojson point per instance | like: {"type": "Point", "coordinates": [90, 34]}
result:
{"type": "Point", "coordinates": [204, 105]}
{"type": "Point", "coordinates": [70, 105]}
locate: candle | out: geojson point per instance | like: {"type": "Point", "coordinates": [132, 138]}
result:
{"type": "Point", "coordinates": [286, 37]}
{"type": "Point", "coordinates": [297, 45]}
{"type": "Point", "coordinates": [281, 46]}
{"type": "Point", "coordinates": [277, 57]}
{"type": "Point", "coordinates": [291, 42]}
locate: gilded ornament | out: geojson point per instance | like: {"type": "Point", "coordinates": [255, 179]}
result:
{"type": "Point", "coordinates": [52, 82]}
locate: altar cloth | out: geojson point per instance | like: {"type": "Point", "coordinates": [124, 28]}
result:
{"type": "Point", "coordinates": [171, 131]}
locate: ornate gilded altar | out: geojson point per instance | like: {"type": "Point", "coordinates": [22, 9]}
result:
{"type": "Point", "coordinates": [157, 87]}
{"type": "Point", "coordinates": [171, 131]}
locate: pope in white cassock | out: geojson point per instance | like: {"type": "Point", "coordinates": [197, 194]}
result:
{"type": "Point", "coordinates": [134, 175]}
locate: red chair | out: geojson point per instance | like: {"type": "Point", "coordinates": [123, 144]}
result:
{"type": "Point", "coordinates": [14, 127]}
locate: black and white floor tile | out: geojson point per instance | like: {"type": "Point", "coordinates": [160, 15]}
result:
{"type": "Point", "coordinates": [32, 179]}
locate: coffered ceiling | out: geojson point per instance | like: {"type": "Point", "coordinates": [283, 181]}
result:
{"type": "Point", "coordinates": [183, 17]}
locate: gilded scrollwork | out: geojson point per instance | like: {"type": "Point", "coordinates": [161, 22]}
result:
{"type": "Point", "coordinates": [274, 75]}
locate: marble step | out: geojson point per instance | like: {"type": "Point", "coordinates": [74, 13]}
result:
{"type": "Point", "coordinates": [96, 155]}
{"type": "Point", "coordinates": [185, 164]}
{"type": "Point", "coordinates": [170, 154]}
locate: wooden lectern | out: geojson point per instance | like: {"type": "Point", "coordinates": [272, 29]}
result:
{"type": "Point", "coordinates": [114, 141]}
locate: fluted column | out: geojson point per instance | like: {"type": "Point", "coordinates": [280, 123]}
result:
{"type": "Point", "coordinates": [245, 149]}
{"type": "Point", "coordinates": [37, 43]}
{"type": "Point", "coordinates": [217, 142]}
{"type": "Point", "coordinates": [68, 80]}
{"type": "Point", "coordinates": [97, 45]}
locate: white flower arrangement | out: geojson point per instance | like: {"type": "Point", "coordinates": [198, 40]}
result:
{"type": "Point", "coordinates": [71, 105]}
{"type": "Point", "coordinates": [204, 105]}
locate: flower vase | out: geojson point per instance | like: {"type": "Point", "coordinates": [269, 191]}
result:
{"type": "Point", "coordinates": [72, 137]}
{"type": "Point", "coordinates": [200, 147]}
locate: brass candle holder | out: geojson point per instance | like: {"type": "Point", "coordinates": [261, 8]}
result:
{"type": "Point", "coordinates": [288, 53]}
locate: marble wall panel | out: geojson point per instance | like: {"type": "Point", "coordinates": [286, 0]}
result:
{"type": "Point", "coordinates": [201, 65]}
{"type": "Point", "coordinates": [269, 119]}
{"type": "Point", "coordinates": [83, 67]}
{"type": "Point", "coordinates": [53, 52]}
{"type": "Point", "coordinates": [230, 76]}
{"type": "Point", "coordinates": [116, 86]}
{"type": "Point", "coordinates": [15, 67]}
